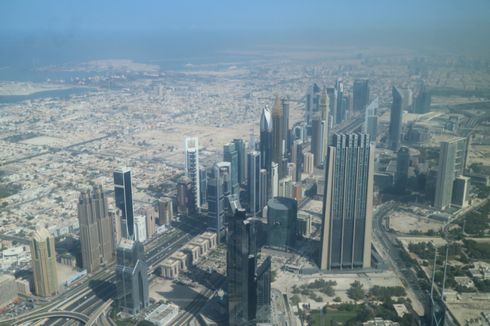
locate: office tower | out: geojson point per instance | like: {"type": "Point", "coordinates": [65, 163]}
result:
{"type": "Point", "coordinates": [407, 99]}
{"type": "Point", "coordinates": [185, 196]}
{"type": "Point", "coordinates": [309, 164]}
{"type": "Point", "coordinates": [248, 277]}
{"type": "Point", "coordinates": [292, 171]}
{"type": "Point", "coordinates": [253, 184]}
{"type": "Point", "coordinates": [264, 279]}
{"type": "Point", "coordinates": [266, 150]}
{"type": "Point", "coordinates": [165, 211]}
{"type": "Point", "coordinates": [131, 277]}
{"type": "Point", "coordinates": [192, 172]}
{"type": "Point", "coordinates": [332, 105]}
{"type": "Point", "coordinates": [96, 229]}
{"type": "Point", "coordinates": [278, 136]}
{"type": "Point", "coordinates": [460, 191]}
{"type": "Point", "coordinates": [203, 184]}
{"type": "Point", "coordinates": [151, 222]}
{"type": "Point", "coordinates": [300, 131]}
{"type": "Point", "coordinates": [286, 187]}
{"type": "Point", "coordinates": [241, 150]}
{"type": "Point", "coordinates": [140, 228]}
{"type": "Point", "coordinates": [324, 106]}
{"type": "Point", "coordinates": [219, 187]}
{"type": "Point", "coordinates": [231, 155]}
{"type": "Point", "coordinates": [312, 104]}
{"type": "Point", "coordinates": [43, 260]}
{"type": "Point", "coordinates": [124, 200]}
{"type": "Point", "coordinates": [285, 127]}
{"type": "Point", "coordinates": [316, 139]}
{"type": "Point", "coordinates": [281, 222]}
{"type": "Point", "coordinates": [360, 94]}
{"type": "Point", "coordinates": [297, 157]}
{"type": "Point", "coordinates": [396, 120]}
{"type": "Point", "coordinates": [347, 203]}
{"type": "Point", "coordinates": [452, 163]}
{"type": "Point", "coordinates": [263, 188]}
{"type": "Point", "coordinates": [422, 100]}
{"type": "Point", "coordinates": [114, 215]}
{"type": "Point", "coordinates": [370, 126]}
{"type": "Point", "coordinates": [341, 106]}
{"type": "Point", "coordinates": [274, 180]}
{"type": "Point", "coordinates": [402, 165]}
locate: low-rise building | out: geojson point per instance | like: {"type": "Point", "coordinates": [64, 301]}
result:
{"type": "Point", "coordinates": [23, 287]}
{"type": "Point", "coordinates": [8, 289]}
{"type": "Point", "coordinates": [163, 315]}
{"type": "Point", "coordinates": [170, 268]}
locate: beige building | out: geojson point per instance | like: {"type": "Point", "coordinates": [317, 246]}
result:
{"type": "Point", "coordinates": [309, 164]}
{"type": "Point", "coordinates": [44, 263]}
{"type": "Point", "coordinates": [23, 287]}
{"type": "Point", "coordinates": [8, 289]}
{"type": "Point", "coordinates": [211, 238]}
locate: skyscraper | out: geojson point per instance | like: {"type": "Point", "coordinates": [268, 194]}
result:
{"type": "Point", "coordinates": [341, 106]}
{"type": "Point", "coordinates": [347, 204]}
{"type": "Point", "coordinates": [278, 137]}
{"type": "Point", "coordinates": [275, 180]}
{"type": "Point", "coordinates": [219, 185]}
{"type": "Point", "coordinates": [140, 234]}
{"type": "Point", "coordinates": [241, 150]}
{"type": "Point", "coordinates": [165, 211]}
{"type": "Point", "coordinates": [281, 222]}
{"type": "Point", "coordinates": [316, 138]}
{"type": "Point", "coordinates": [396, 119]}
{"type": "Point", "coordinates": [185, 195]}
{"type": "Point", "coordinates": [131, 277]}
{"type": "Point", "coordinates": [96, 229]}
{"type": "Point", "coordinates": [402, 165]}
{"type": "Point", "coordinates": [248, 285]}
{"type": "Point", "coordinates": [43, 260]}
{"type": "Point", "coordinates": [422, 100]}
{"type": "Point", "coordinates": [324, 107]}
{"type": "Point", "coordinates": [253, 184]}
{"type": "Point", "coordinates": [297, 157]}
{"type": "Point", "coordinates": [332, 98]}
{"type": "Point", "coordinates": [124, 201]}
{"type": "Point", "coordinates": [360, 94]}
{"type": "Point", "coordinates": [231, 155]}
{"type": "Point", "coordinates": [192, 171]}
{"type": "Point", "coordinates": [266, 144]}
{"type": "Point", "coordinates": [203, 184]}
{"type": "Point", "coordinates": [371, 120]}
{"type": "Point", "coordinates": [452, 162]}
{"type": "Point", "coordinates": [312, 103]}
{"type": "Point", "coordinates": [285, 126]}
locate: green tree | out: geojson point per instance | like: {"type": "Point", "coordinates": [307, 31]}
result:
{"type": "Point", "coordinates": [356, 291]}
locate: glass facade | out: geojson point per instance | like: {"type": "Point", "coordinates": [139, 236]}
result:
{"type": "Point", "coordinates": [124, 201]}
{"type": "Point", "coordinates": [281, 222]}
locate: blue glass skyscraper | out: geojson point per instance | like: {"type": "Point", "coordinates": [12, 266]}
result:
{"type": "Point", "coordinates": [124, 200]}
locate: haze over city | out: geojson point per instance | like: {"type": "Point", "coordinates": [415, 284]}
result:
{"type": "Point", "coordinates": [244, 163]}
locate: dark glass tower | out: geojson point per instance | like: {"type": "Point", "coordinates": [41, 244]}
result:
{"type": "Point", "coordinates": [231, 155]}
{"type": "Point", "coordinates": [241, 159]}
{"type": "Point", "coordinates": [253, 184]}
{"type": "Point", "coordinates": [131, 277]}
{"type": "Point", "coordinates": [281, 222]}
{"type": "Point", "coordinates": [124, 201]}
{"type": "Point", "coordinates": [396, 115]}
{"type": "Point", "coordinates": [278, 137]}
{"type": "Point", "coordinates": [347, 204]}
{"type": "Point", "coordinates": [402, 164]}
{"type": "Point", "coordinates": [218, 189]}
{"type": "Point", "coordinates": [361, 94]}
{"type": "Point", "coordinates": [266, 145]}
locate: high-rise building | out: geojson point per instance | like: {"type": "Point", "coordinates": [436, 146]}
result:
{"type": "Point", "coordinates": [332, 97]}
{"type": "Point", "coordinates": [263, 188]}
{"type": "Point", "coordinates": [278, 137]}
{"type": "Point", "coordinates": [192, 171]}
{"type": "Point", "coordinates": [203, 184]}
{"type": "Point", "coordinates": [219, 185]}
{"type": "Point", "coordinates": [312, 104]}
{"type": "Point", "coordinates": [285, 126]}
{"type": "Point", "coordinates": [140, 228]}
{"type": "Point", "coordinates": [316, 138]}
{"type": "Point", "coordinates": [274, 180]}
{"type": "Point", "coordinates": [231, 155]}
{"type": "Point", "coordinates": [185, 196]}
{"type": "Point", "coordinates": [324, 107]}
{"type": "Point", "coordinates": [292, 171]}
{"type": "Point", "coordinates": [96, 230]}
{"type": "Point", "coordinates": [460, 191]}
{"type": "Point", "coordinates": [281, 222]}
{"type": "Point", "coordinates": [131, 277]}
{"type": "Point", "coordinates": [165, 211]}
{"type": "Point", "coordinates": [341, 107]}
{"type": "Point", "coordinates": [452, 163]}
{"type": "Point", "coordinates": [241, 150]}
{"type": "Point", "coordinates": [124, 200]}
{"type": "Point", "coordinates": [360, 94]}
{"type": "Point", "coordinates": [43, 260]}
{"type": "Point", "coordinates": [371, 120]}
{"type": "Point", "coordinates": [266, 150]}
{"type": "Point", "coordinates": [248, 285]}
{"type": "Point", "coordinates": [422, 100]}
{"type": "Point", "coordinates": [402, 165]}
{"type": "Point", "coordinates": [297, 157]}
{"type": "Point", "coordinates": [151, 222]}
{"type": "Point", "coordinates": [253, 184]}
{"type": "Point", "coordinates": [309, 164]}
{"type": "Point", "coordinates": [396, 120]}
{"type": "Point", "coordinates": [347, 204]}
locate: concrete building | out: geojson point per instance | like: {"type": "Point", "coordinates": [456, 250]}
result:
{"type": "Point", "coordinates": [309, 164]}
{"type": "Point", "coordinates": [151, 222]}
{"type": "Point", "coordinates": [304, 224]}
{"type": "Point", "coordinates": [191, 157]}
{"type": "Point", "coordinates": [347, 204]}
{"type": "Point", "coordinates": [185, 196]}
{"type": "Point", "coordinates": [140, 228]}
{"type": "Point", "coordinates": [165, 211]}
{"type": "Point", "coordinates": [131, 277]}
{"type": "Point", "coordinates": [8, 289]}
{"type": "Point", "coordinates": [163, 315]}
{"type": "Point", "coordinates": [43, 255]}
{"type": "Point", "coordinates": [286, 187]}
{"type": "Point", "coordinates": [96, 230]}
{"type": "Point", "coordinates": [275, 180]}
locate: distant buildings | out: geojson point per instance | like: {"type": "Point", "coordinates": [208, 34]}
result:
{"type": "Point", "coordinates": [249, 291]}
{"type": "Point", "coordinates": [43, 255]}
{"type": "Point", "coordinates": [131, 277]}
{"type": "Point", "coordinates": [96, 230]}
{"type": "Point", "coordinates": [402, 165]}
{"type": "Point", "coordinates": [192, 172]}
{"type": "Point", "coordinates": [360, 94]}
{"type": "Point", "coordinates": [370, 126]}
{"type": "Point", "coordinates": [347, 205]}
{"type": "Point", "coordinates": [281, 222]}
{"type": "Point", "coordinates": [124, 200]}
{"type": "Point", "coordinates": [423, 100]}
{"type": "Point", "coordinates": [396, 119]}
{"type": "Point", "coordinates": [312, 104]}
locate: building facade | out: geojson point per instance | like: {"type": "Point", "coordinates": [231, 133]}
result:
{"type": "Point", "coordinates": [124, 201]}
{"type": "Point", "coordinates": [43, 255]}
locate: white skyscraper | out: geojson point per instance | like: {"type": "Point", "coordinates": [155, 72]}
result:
{"type": "Point", "coordinates": [140, 228]}
{"type": "Point", "coordinates": [192, 169]}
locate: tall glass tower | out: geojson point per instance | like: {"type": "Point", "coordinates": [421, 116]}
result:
{"type": "Point", "coordinates": [124, 200]}
{"type": "Point", "coordinates": [347, 203]}
{"type": "Point", "coordinates": [396, 115]}
{"type": "Point", "coordinates": [192, 171]}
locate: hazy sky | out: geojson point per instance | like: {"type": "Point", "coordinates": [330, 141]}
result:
{"type": "Point", "coordinates": [119, 15]}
